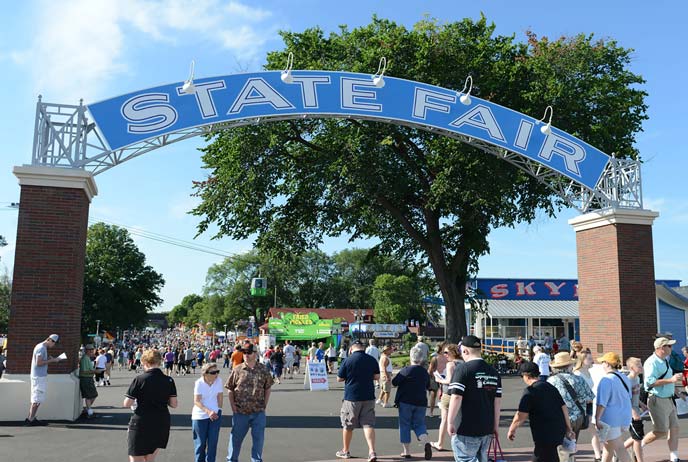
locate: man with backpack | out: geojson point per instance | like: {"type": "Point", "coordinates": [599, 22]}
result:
{"type": "Point", "coordinates": [660, 381]}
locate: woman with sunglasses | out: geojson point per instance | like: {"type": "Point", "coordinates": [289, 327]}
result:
{"type": "Point", "coordinates": [451, 352]}
{"type": "Point", "coordinates": [206, 416]}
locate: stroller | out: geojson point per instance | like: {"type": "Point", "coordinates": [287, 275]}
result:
{"type": "Point", "coordinates": [505, 366]}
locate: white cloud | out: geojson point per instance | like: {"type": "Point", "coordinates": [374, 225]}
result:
{"type": "Point", "coordinates": [79, 45]}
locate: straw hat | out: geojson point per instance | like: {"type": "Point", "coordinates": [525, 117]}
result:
{"type": "Point", "coordinates": [562, 359]}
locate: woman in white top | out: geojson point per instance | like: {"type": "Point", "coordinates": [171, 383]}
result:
{"type": "Point", "coordinates": [101, 363]}
{"type": "Point", "coordinates": [584, 362]}
{"type": "Point", "coordinates": [206, 416]}
{"type": "Point", "coordinates": [542, 360]}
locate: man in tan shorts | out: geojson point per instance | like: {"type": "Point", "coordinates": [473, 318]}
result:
{"type": "Point", "coordinates": [385, 376]}
{"type": "Point", "coordinates": [660, 382]}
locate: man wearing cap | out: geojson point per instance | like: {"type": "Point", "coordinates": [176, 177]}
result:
{"type": "Point", "coordinates": [86, 383]}
{"type": "Point", "coordinates": [39, 377]}
{"type": "Point", "coordinates": [474, 407]}
{"type": "Point", "coordinates": [660, 382]}
{"type": "Point", "coordinates": [358, 372]}
{"type": "Point", "coordinates": [248, 392]}
{"type": "Point", "coordinates": [543, 406]}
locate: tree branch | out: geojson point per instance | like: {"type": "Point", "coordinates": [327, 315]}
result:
{"type": "Point", "coordinates": [405, 223]}
{"type": "Point", "coordinates": [298, 138]}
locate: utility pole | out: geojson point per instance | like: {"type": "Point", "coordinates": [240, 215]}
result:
{"type": "Point", "coordinates": [97, 333]}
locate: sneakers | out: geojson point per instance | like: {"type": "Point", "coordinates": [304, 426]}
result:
{"type": "Point", "coordinates": [378, 402]}
{"type": "Point", "coordinates": [428, 451]}
{"type": "Point", "coordinates": [372, 457]}
{"type": "Point", "coordinates": [343, 454]}
{"type": "Point", "coordinates": [37, 423]}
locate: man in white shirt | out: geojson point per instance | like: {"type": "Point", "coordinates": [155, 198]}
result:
{"type": "Point", "coordinates": [39, 377]}
{"type": "Point", "coordinates": [372, 350]}
{"type": "Point", "coordinates": [542, 360]}
{"type": "Point", "coordinates": [289, 351]}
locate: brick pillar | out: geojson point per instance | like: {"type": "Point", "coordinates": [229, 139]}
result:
{"type": "Point", "coordinates": [617, 303]}
{"type": "Point", "coordinates": [48, 278]}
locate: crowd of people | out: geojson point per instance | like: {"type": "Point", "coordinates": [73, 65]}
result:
{"type": "Point", "coordinates": [565, 394]}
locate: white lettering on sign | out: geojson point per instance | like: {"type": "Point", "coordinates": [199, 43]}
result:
{"type": "Point", "coordinates": [554, 289]}
{"type": "Point", "coordinates": [571, 152]}
{"type": "Point", "coordinates": [499, 291]}
{"type": "Point", "coordinates": [353, 96]}
{"type": "Point", "coordinates": [204, 99]}
{"type": "Point", "coordinates": [427, 99]}
{"type": "Point", "coordinates": [523, 135]}
{"type": "Point", "coordinates": [309, 94]}
{"type": "Point", "coordinates": [481, 117]}
{"type": "Point", "coordinates": [257, 91]}
{"type": "Point", "coordinates": [524, 289]}
{"type": "Point", "coordinates": [148, 113]}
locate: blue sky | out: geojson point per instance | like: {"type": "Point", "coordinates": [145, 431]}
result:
{"type": "Point", "coordinates": [94, 49]}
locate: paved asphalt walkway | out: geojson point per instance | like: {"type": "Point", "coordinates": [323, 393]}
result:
{"type": "Point", "coordinates": [302, 426]}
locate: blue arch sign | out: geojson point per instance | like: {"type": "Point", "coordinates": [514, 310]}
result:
{"type": "Point", "coordinates": [135, 117]}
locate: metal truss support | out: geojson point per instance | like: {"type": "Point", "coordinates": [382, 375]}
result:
{"type": "Point", "coordinates": [64, 138]}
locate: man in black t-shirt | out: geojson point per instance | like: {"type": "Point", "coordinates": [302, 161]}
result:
{"type": "Point", "coordinates": [542, 404]}
{"type": "Point", "coordinates": [476, 397]}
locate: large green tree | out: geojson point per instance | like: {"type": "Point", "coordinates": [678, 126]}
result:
{"type": "Point", "coordinates": [119, 288]}
{"type": "Point", "coordinates": [180, 312]}
{"type": "Point", "coordinates": [5, 293]}
{"type": "Point", "coordinates": [423, 196]}
{"type": "Point", "coordinates": [397, 298]}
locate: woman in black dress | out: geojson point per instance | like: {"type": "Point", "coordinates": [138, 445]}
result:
{"type": "Point", "coordinates": [149, 395]}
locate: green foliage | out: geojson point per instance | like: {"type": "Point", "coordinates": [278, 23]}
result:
{"type": "Point", "coordinates": [119, 288]}
{"type": "Point", "coordinates": [424, 197]}
{"type": "Point", "coordinates": [180, 312]}
{"type": "Point", "coordinates": [5, 294]}
{"type": "Point", "coordinates": [409, 339]}
{"type": "Point", "coordinates": [395, 298]}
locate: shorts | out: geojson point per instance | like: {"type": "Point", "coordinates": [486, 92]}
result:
{"type": "Point", "coordinates": [168, 365]}
{"type": "Point", "coordinates": [88, 388]}
{"type": "Point", "coordinates": [444, 401]}
{"type": "Point", "coordinates": [637, 430]}
{"type": "Point", "coordinates": [385, 385]}
{"type": "Point", "coordinates": [612, 433]}
{"type": "Point", "coordinates": [39, 388]}
{"type": "Point", "coordinates": [332, 359]}
{"type": "Point", "coordinates": [357, 414]}
{"type": "Point", "coordinates": [289, 363]}
{"type": "Point", "coordinates": [662, 413]}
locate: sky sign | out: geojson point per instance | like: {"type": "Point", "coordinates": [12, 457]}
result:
{"type": "Point", "coordinates": [135, 117]}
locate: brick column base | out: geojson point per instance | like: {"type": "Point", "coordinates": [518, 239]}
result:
{"type": "Point", "coordinates": [48, 277]}
{"type": "Point", "coordinates": [617, 303]}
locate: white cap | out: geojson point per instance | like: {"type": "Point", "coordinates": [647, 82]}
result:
{"type": "Point", "coordinates": [54, 337]}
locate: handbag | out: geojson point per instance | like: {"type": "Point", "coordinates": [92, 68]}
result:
{"type": "Point", "coordinates": [574, 396]}
{"type": "Point", "coordinates": [494, 452]}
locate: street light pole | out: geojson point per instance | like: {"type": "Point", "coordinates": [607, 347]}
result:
{"type": "Point", "coordinates": [225, 342]}
{"type": "Point", "coordinates": [97, 332]}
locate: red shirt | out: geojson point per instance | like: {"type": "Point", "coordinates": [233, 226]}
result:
{"type": "Point", "coordinates": [685, 372]}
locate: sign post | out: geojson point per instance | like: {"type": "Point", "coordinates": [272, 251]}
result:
{"type": "Point", "coordinates": [316, 376]}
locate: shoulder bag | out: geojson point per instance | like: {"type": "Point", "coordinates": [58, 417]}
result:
{"type": "Point", "coordinates": [574, 396]}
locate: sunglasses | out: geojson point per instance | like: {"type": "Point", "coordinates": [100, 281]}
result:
{"type": "Point", "coordinates": [445, 352]}
{"type": "Point", "coordinates": [213, 372]}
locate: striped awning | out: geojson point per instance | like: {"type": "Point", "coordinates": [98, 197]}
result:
{"type": "Point", "coordinates": [533, 308]}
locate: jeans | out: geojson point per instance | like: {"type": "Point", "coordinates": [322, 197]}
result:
{"type": "Point", "coordinates": [411, 418]}
{"type": "Point", "coordinates": [240, 425]}
{"type": "Point", "coordinates": [470, 448]}
{"type": "Point", "coordinates": [206, 432]}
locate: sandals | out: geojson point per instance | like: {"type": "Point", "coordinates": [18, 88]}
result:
{"type": "Point", "coordinates": [436, 446]}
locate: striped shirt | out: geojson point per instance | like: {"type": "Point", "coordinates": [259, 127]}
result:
{"type": "Point", "coordinates": [478, 384]}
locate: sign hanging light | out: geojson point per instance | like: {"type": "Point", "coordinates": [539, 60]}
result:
{"type": "Point", "coordinates": [188, 87]}
{"type": "Point", "coordinates": [547, 129]}
{"type": "Point", "coordinates": [378, 78]}
{"type": "Point", "coordinates": [465, 96]}
{"type": "Point", "coordinates": [286, 73]}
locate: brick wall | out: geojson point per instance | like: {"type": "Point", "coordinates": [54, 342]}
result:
{"type": "Point", "coordinates": [616, 290]}
{"type": "Point", "coordinates": [48, 278]}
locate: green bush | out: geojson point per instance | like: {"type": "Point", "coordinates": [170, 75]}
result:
{"type": "Point", "coordinates": [400, 361]}
{"type": "Point", "coordinates": [409, 339]}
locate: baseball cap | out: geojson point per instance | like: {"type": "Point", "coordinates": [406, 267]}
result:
{"type": "Point", "coordinates": [662, 341]}
{"type": "Point", "coordinates": [88, 347]}
{"type": "Point", "coordinates": [610, 358]}
{"type": "Point", "coordinates": [528, 367]}
{"type": "Point", "coordinates": [470, 341]}
{"type": "Point", "coordinates": [54, 337]}
{"type": "Point", "coordinates": [357, 342]}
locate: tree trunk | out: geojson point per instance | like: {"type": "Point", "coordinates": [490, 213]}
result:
{"type": "Point", "coordinates": [453, 288]}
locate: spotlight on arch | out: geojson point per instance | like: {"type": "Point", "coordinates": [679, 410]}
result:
{"type": "Point", "coordinates": [378, 78]}
{"type": "Point", "coordinates": [189, 87]}
{"type": "Point", "coordinates": [286, 73]}
{"type": "Point", "coordinates": [465, 96]}
{"type": "Point", "coordinates": [547, 129]}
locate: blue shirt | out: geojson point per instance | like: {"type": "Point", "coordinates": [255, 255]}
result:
{"type": "Point", "coordinates": [412, 382]}
{"type": "Point", "coordinates": [357, 371]}
{"type": "Point", "coordinates": [319, 354]}
{"type": "Point", "coordinates": [657, 368]}
{"type": "Point", "coordinates": [616, 399]}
